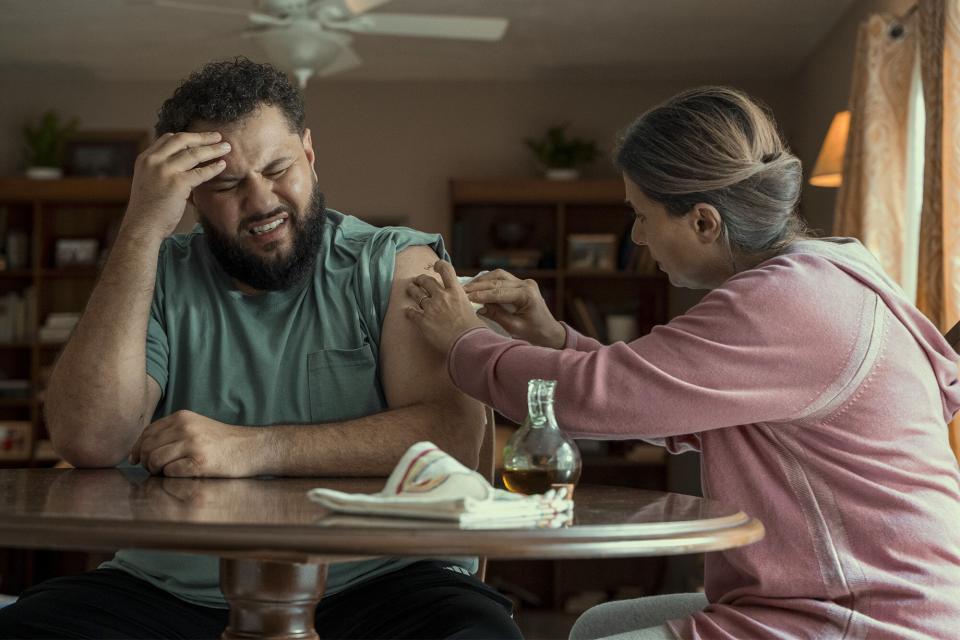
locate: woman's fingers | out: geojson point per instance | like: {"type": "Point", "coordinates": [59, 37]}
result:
{"type": "Point", "coordinates": [502, 317]}
{"type": "Point", "coordinates": [415, 314]}
{"type": "Point", "coordinates": [516, 296]}
{"type": "Point", "coordinates": [490, 285]}
{"type": "Point", "coordinates": [429, 284]}
{"type": "Point", "coordinates": [491, 278]}
{"type": "Point", "coordinates": [415, 291]}
{"type": "Point", "coordinates": [447, 273]}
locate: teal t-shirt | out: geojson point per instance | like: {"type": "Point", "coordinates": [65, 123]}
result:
{"type": "Point", "coordinates": [305, 355]}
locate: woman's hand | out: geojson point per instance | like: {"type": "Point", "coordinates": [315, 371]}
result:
{"type": "Point", "coordinates": [441, 311]}
{"type": "Point", "coordinates": [517, 306]}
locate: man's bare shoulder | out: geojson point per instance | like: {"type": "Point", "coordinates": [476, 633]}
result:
{"type": "Point", "coordinates": [415, 260]}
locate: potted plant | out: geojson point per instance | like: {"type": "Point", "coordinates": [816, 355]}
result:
{"type": "Point", "coordinates": [561, 156]}
{"type": "Point", "coordinates": [44, 144]}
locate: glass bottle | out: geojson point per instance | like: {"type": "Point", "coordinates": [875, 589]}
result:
{"type": "Point", "coordinates": [539, 456]}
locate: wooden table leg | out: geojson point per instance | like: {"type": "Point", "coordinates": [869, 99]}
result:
{"type": "Point", "coordinates": [271, 599]}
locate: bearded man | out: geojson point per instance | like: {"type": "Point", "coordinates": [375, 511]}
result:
{"type": "Point", "coordinates": [268, 341]}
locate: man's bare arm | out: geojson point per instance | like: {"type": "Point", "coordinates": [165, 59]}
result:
{"type": "Point", "coordinates": [100, 397]}
{"type": "Point", "coordinates": [424, 405]}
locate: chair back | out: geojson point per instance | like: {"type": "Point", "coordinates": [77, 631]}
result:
{"type": "Point", "coordinates": [488, 454]}
{"type": "Point", "coordinates": [953, 337]}
{"type": "Point", "coordinates": [486, 465]}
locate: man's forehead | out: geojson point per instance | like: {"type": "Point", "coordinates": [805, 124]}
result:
{"type": "Point", "coordinates": [266, 121]}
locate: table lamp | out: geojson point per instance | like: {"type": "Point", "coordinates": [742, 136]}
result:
{"type": "Point", "coordinates": [828, 170]}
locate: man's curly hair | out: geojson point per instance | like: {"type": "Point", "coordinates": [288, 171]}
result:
{"type": "Point", "coordinates": [228, 91]}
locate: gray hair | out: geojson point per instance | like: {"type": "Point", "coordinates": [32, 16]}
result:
{"type": "Point", "coordinates": [717, 146]}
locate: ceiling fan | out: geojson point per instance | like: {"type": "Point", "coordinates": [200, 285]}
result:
{"type": "Point", "coordinates": [313, 36]}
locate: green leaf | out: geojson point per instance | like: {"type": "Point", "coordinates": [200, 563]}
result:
{"type": "Point", "coordinates": [556, 151]}
{"type": "Point", "coordinates": [44, 142]}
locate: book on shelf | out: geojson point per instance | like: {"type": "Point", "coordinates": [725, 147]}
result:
{"type": "Point", "coordinates": [645, 265]}
{"type": "Point", "coordinates": [57, 327]}
{"type": "Point", "coordinates": [586, 315]}
{"type": "Point", "coordinates": [16, 439]}
{"type": "Point", "coordinates": [43, 451]}
{"type": "Point", "coordinates": [14, 388]}
{"type": "Point", "coordinates": [635, 258]}
{"type": "Point", "coordinates": [638, 260]}
{"type": "Point", "coordinates": [16, 314]}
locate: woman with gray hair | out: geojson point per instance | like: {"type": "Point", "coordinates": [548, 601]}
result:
{"type": "Point", "coordinates": [816, 392]}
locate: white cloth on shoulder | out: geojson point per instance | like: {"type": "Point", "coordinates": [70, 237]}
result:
{"type": "Point", "coordinates": [428, 483]}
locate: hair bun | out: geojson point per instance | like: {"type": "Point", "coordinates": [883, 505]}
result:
{"type": "Point", "coordinates": [770, 157]}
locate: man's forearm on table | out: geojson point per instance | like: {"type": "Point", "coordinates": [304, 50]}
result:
{"type": "Point", "coordinates": [368, 446]}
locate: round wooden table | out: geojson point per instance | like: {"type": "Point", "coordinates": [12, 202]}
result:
{"type": "Point", "coordinates": [275, 544]}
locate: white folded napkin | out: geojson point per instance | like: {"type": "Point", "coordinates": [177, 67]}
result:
{"type": "Point", "coordinates": [464, 280]}
{"type": "Point", "coordinates": [428, 483]}
{"type": "Point", "coordinates": [493, 326]}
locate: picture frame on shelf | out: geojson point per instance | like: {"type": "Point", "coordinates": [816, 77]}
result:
{"type": "Point", "coordinates": [592, 252]}
{"type": "Point", "coordinates": [76, 252]}
{"type": "Point", "coordinates": [103, 154]}
{"type": "Point", "coordinates": [16, 439]}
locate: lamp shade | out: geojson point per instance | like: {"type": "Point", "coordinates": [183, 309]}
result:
{"type": "Point", "coordinates": [828, 171]}
{"type": "Point", "coordinates": [303, 48]}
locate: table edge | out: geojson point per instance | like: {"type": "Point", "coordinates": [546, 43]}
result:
{"type": "Point", "coordinates": [300, 540]}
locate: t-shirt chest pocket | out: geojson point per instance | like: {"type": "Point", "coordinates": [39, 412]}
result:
{"type": "Point", "coordinates": [343, 384]}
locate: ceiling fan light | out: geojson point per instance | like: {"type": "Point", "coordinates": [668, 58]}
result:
{"type": "Point", "coordinates": [301, 48]}
{"type": "Point", "coordinates": [303, 74]}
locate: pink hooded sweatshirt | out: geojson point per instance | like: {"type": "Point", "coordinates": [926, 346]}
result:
{"type": "Point", "coordinates": [819, 397]}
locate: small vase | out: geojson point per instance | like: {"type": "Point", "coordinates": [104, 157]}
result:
{"type": "Point", "coordinates": [539, 456]}
{"type": "Point", "coordinates": [561, 174]}
{"type": "Point", "coordinates": [44, 173]}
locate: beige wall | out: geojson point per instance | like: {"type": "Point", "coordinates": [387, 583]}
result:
{"type": "Point", "coordinates": [387, 150]}
{"type": "Point", "coordinates": [384, 150]}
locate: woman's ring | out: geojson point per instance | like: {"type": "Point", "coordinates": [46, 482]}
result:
{"type": "Point", "coordinates": [422, 298]}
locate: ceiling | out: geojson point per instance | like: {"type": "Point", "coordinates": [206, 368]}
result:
{"type": "Point", "coordinates": [546, 39]}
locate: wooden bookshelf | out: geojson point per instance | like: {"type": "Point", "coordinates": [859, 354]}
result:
{"type": "Point", "coordinates": [48, 210]}
{"type": "Point", "coordinates": [499, 216]}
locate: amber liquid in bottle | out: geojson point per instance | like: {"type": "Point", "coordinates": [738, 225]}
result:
{"type": "Point", "coordinates": [530, 481]}
{"type": "Point", "coordinates": [538, 456]}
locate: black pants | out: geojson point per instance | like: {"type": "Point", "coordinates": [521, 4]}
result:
{"type": "Point", "coordinates": [423, 600]}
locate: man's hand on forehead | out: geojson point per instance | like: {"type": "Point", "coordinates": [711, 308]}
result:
{"type": "Point", "coordinates": [167, 172]}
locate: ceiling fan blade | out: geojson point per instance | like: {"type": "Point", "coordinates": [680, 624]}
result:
{"type": "Point", "coordinates": [266, 20]}
{"type": "Point", "coordinates": [348, 59]}
{"type": "Point", "coordinates": [460, 28]}
{"type": "Point", "coordinates": [253, 32]}
{"type": "Point", "coordinates": [254, 17]}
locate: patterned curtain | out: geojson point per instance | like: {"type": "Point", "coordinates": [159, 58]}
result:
{"type": "Point", "coordinates": [872, 203]}
{"type": "Point", "coordinates": [939, 283]}
{"type": "Point", "coordinates": [938, 291]}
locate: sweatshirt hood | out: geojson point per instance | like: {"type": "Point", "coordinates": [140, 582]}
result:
{"type": "Point", "coordinates": [853, 258]}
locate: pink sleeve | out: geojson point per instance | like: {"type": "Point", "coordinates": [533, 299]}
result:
{"type": "Point", "coordinates": [766, 347]}
{"type": "Point", "coordinates": [578, 341]}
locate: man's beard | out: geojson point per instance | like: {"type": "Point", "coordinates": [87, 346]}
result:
{"type": "Point", "coordinates": [272, 273]}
